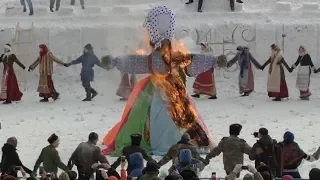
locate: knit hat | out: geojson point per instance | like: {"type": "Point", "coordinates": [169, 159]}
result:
{"type": "Point", "coordinates": [263, 131]}
{"type": "Point", "coordinates": [12, 141]}
{"type": "Point", "coordinates": [235, 129]}
{"type": "Point", "coordinates": [287, 177]}
{"type": "Point", "coordinates": [248, 177]}
{"type": "Point", "coordinates": [288, 137]}
{"type": "Point", "coordinates": [185, 137]}
{"type": "Point", "coordinates": [52, 138]}
{"type": "Point", "coordinates": [314, 174]}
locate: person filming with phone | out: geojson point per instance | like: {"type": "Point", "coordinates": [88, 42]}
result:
{"type": "Point", "coordinates": [10, 162]}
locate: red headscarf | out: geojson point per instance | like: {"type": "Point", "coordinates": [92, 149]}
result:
{"type": "Point", "coordinates": [43, 50]}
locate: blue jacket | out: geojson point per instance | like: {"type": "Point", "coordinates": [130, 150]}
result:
{"type": "Point", "coordinates": [88, 61]}
{"type": "Point", "coordinates": [186, 161]}
{"type": "Point", "coordinates": [136, 162]}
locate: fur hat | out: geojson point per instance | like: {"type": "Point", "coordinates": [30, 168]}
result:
{"type": "Point", "coordinates": [235, 129]}
{"type": "Point", "coordinates": [88, 48]}
{"type": "Point", "coordinates": [263, 131]}
{"type": "Point", "coordinates": [136, 139]}
{"type": "Point", "coordinates": [12, 141]}
{"type": "Point", "coordinates": [185, 137]}
{"type": "Point", "coordinates": [52, 138]}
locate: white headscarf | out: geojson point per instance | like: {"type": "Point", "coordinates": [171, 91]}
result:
{"type": "Point", "coordinates": [160, 23]}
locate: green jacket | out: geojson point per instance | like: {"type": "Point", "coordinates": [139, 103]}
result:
{"type": "Point", "coordinates": [51, 161]}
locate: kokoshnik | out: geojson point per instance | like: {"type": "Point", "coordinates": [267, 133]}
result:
{"type": "Point", "coordinates": [160, 23]}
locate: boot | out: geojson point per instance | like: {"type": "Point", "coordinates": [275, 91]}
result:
{"type": "Point", "coordinates": [189, 2]}
{"type": "Point", "coordinates": [24, 9]}
{"type": "Point", "coordinates": [89, 97]}
{"type": "Point", "coordinates": [123, 99]}
{"type": "Point", "coordinates": [239, 1]}
{"type": "Point", "coordinates": [31, 12]}
{"type": "Point", "coordinates": [82, 7]}
{"type": "Point", "coordinates": [245, 94]}
{"type": "Point", "coordinates": [44, 100]}
{"type": "Point", "coordinates": [213, 97]}
{"type": "Point", "coordinates": [94, 93]}
{"type": "Point", "coordinates": [7, 102]}
{"type": "Point", "coordinates": [51, 9]}
{"type": "Point", "coordinates": [57, 9]}
{"type": "Point", "coordinates": [200, 5]}
{"type": "Point", "coordinates": [57, 96]}
{"type": "Point", "coordinates": [196, 95]}
{"type": "Point", "coordinates": [276, 99]}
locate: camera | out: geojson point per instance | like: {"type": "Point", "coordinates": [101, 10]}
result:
{"type": "Point", "coordinates": [17, 168]}
{"type": "Point", "coordinates": [123, 158]}
{"type": "Point", "coordinates": [255, 134]}
{"type": "Point", "coordinates": [244, 167]}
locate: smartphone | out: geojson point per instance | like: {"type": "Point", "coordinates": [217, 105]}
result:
{"type": "Point", "coordinates": [244, 167]}
{"type": "Point", "coordinates": [17, 168]}
{"type": "Point", "coordinates": [123, 158]}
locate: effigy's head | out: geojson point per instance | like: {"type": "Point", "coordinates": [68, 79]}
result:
{"type": "Point", "coordinates": [222, 61]}
{"type": "Point", "coordinates": [160, 25]}
{"type": "Point", "coordinates": [106, 62]}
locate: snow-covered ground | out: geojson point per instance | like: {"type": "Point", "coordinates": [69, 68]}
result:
{"type": "Point", "coordinates": [33, 122]}
{"type": "Point", "coordinates": [110, 25]}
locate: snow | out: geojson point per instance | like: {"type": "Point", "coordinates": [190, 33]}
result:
{"type": "Point", "coordinates": [111, 25]}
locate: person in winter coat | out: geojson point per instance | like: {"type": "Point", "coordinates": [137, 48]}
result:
{"type": "Point", "coordinates": [150, 172]}
{"type": "Point", "coordinates": [174, 150]}
{"type": "Point", "coordinates": [133, 148]}
{"type": "Point", "coordinates": [232, 148]}
{"type": "Point", "coordinates": [50, 157]}
{"type": "Point", "coordinates": [10, 158]}
{"type": "Point", "coordinates": [136, 162]}
{"type": "Point", "coordinates": [187, 162]}
{"type": "Point", "coordinates": [263, 151]}
{"type": "Point", "coordinates": [292, 155]}
{"type": "Point", "coordinates": [85, 155]}
{"type": "Point", "coordinates": [88, 60]}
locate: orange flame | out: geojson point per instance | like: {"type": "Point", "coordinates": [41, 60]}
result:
{"type": "Point", "coordinates": [140, 52]}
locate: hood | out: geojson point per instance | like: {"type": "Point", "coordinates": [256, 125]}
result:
{"type": "Point", "coordinates": [288, 137]}
{"type": "Point", "coordinates": [136, 160]}
{"type": "Point", "coordinates": [8, 148]}
{"type": "Point", "coordinates": [266, 140]}
{"type": "Point", "coordinates": [185, 157]}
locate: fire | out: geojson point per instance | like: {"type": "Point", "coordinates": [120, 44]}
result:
{"type": "Point", "coordinates": [172, 85]}
{"type": "Point", "coordinates": [140, 52]}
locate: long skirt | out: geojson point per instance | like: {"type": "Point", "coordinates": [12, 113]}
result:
{"type": "Point", "coordinates": [283, 91]}
{"type": "Point", "coordinates": [126, 85]}
{"type": "Point", "coordinates": [205, 84]}
{"type": "Point", "coordinates": [9, 87]}
{"type": "Point", "coordinates": [246, 81]}
{"type": "Point", "coordinates": [50, 91]}
{"type": "Point", "coordinates": [303, 82]}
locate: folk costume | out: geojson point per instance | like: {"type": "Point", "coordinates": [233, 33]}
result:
{"type": "Point", "coordinates": [128, 81]}
{"type": "Point", "coordinates": [205, 82]}
{"type": "Point", "coordinates": [9, 87]}
{"type": "Point", "coordinates": [88, 60]}
{"type": "Point", "coordinates": [45, 61]}
{"type": "Point", "coordinates": [277, 85]}
{"type": "Point", "coordinates": [154, 107]}
{"type": "Point", "coordinates": [245, 60]}
{"type": "Point", "coordinates": [304, 72]}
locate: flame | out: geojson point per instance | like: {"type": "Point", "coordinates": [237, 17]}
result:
{"type": "Point", "coordinates": [173, 89]}
{"type": "Point", "coordinates": [140, 52]}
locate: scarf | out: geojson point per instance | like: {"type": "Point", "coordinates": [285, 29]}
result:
{"type": "Point", "coordinates": [43, 50]}
{"type": "Point", "coordinates": [273, 57]}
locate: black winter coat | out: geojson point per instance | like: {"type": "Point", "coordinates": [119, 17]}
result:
{"type": "Point", "coordinates": [10, 159]}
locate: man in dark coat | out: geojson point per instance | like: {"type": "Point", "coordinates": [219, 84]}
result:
{"type": "Point", "coordinates": [10, 158]}
{"type": "Point", "coordinates": [133, 148]}
{"type": "Point", "coordinates": [88, 60]}
{"type": "Point", "coordinates": [50, 158]}
{"type": "Point", "coordinates": [86, 154]}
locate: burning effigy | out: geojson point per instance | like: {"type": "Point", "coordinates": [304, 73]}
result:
{"type": "Point", "coordinates": [159, 107]}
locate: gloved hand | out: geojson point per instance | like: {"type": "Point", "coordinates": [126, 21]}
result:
{"type": "Point", "coordinates": [206, 162]}
{"type": "Point", "coordinates": [67, 64]}
{"type": "Point", "coordinates": [29, 69]}
{"type": "Point", "coordinates": [252, 169]}
{"type": "Point", "coordinates": [237, 169]}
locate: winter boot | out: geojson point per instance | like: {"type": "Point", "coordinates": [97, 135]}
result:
{"type": "Point", "coordinates": [57, 96]}
{"type": "Point", "coordinates": [7, 102]}
{"type": "Point", "coordinates": [200, 5]}
{"type": "Point", "coordinates": [276, 99]}
{"type": "Point", "coordinates": [82, 7]}
{"type": "Point", "coordinates": [31, 12]}
{"type": "Point", "coordinates": [51, 9]}
{"type": "Point", "coordinates": [44, 100]}
{"type": "Point", "coordinates": [196, 95]}
{"type": "Point", "coordinates": [94, 93]}
{"type": "Point", "coordinates": [189, 2]}
{"type": "Point", "coordinates": [213, 97]}
{"type": "Point", "coordinates": [89, 97]}
{"type": "Point", "coordinates": [24, 9]}
{"type": "Point", "coordinates": [239, 1]}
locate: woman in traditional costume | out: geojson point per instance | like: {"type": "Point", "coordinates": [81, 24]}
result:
{"type": "Point", "coordinates": [45, 61]}
{"type": "Point", "coordinates": [277, 85]}
{"type": "Point", "coordinates": [304, 72]}
{"type": "Point", "coordinates": [245, 60]}
{"type": "Point", "coordinates": [205, 82]}
{"type": "Point", "coordinates": [128, 81]}
{"type": "Point", "coordinates": [159, 107]}
{"type": "Point", "coordinates": [9, 87]}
